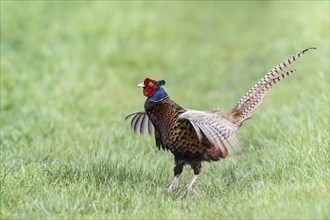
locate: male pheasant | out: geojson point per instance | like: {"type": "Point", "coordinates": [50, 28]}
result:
{"type": "Point", "coordinates": [196, 136]}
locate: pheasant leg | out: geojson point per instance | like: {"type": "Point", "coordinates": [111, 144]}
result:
{"type": "Point", "coordinates": [188, 188]}
{"type": "Point", "coordinates": [177, 172]}
{"type": "Point", "coordinates": [173, 183]}
{"type": "Point", "coordinates": [197, 167]}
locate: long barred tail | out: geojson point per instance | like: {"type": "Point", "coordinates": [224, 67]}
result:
{"type": "Point", "coordinates": [253, 98]}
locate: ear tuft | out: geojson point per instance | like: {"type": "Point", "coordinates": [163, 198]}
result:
{"type": "Point", "coordinates": [161, 82]}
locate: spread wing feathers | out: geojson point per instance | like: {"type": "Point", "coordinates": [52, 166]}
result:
{"type": "Point", "coordinates": [252, 99]}
{"type": "Point", "coordinates": [220, 131]}
{"type": "Point", "coordinates": [141, 123]}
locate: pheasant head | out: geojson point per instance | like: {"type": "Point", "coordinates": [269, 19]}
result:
{"type": "Point", "coordinates": [153, 89]}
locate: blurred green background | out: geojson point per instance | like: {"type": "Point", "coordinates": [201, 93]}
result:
{"type": "Point", "coordinates": [69, 71]}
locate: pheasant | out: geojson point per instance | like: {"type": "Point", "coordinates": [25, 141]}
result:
{"type": "Point", "coordinates": [195, 136]}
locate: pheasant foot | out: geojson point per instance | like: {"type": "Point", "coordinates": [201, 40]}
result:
{"type": "Point", "coordinates": [189, 187]}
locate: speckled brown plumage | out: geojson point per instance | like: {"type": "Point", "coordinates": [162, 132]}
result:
{"type": "Point", "coordinates": [179, 136]}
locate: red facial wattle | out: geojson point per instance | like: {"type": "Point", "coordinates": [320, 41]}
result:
{"type": "Point", "coordinates": [150, 87]}
{"type": "Point", "coordinates": [149, 91]}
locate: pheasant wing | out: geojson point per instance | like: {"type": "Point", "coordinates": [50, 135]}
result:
{"type": "Point", "coordinates": [219, 130]}
{"type": "Point", "coordinates": [141, 123]}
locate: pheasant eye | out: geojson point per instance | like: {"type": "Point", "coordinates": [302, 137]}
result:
{"type": "Point", "coordinates": [151, 84]}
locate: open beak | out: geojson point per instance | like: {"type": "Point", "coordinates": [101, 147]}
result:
{"type": "Point", "coordinates": [141, 85]}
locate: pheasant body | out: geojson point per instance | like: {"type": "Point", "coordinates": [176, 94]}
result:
{"type": "Point", "coordinates": [195, 136]}
{"type": "Point", "coordinates": [179, 136]}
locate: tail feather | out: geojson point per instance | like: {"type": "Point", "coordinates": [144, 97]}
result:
{"type": "Point", "coordinates": [249, 103]}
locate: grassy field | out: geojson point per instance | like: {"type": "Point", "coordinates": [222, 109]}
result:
{"type": "Point", "coordinates": [68, 78]}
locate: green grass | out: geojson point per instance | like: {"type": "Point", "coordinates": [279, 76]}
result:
{"type": "Point", "coordinates": [68, 76]}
